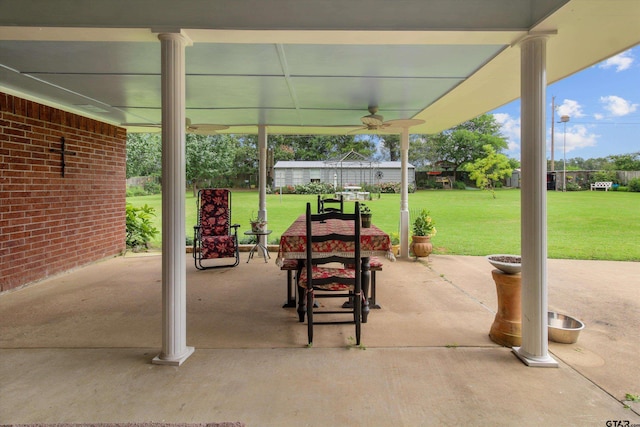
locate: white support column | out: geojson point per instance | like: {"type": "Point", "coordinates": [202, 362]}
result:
{"type": "Point", "coordinates": [262, 177]}
{"type": "Point", "coordinates": [534, 350]}
{"type": "Point", "coordinates": [404, 193]}
{"type": "Point", "coordinates": [174, 289]}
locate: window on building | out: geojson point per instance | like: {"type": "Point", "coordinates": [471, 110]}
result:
{"type": "Point", "coordinates": [315, 175]}
{"type": "Point", "coordinates": [280, 178]}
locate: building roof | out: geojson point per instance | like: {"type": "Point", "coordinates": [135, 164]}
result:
{"type": "Point", "coordinates": [298, 164]}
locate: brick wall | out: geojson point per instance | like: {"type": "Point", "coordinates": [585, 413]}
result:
{"type": "Point", "coordinates": [50, 224]}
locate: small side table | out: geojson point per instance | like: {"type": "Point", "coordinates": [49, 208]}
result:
{"type": "Point", "coordinates": [258, 245]}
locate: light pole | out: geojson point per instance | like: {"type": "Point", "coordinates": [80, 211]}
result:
{"type": "Point", "coordinates": [564, 119]}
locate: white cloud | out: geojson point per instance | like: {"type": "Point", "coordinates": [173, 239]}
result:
{"type": "Point", "coordinates": [510, 129]}
{"type": "Point", "coordinates": [620, 62]}
{"type": "Point", "coordinates": [598, 116]}
{"type": "Point", "coordinates": [618, 106]}
{"type": "Point", "coordinates": [577, 136]}
{"type": "Point", "coordinates": [570, 108]}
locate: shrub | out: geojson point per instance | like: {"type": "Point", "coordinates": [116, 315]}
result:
{"type": "Point", "coordinates": [634, 185]}
{"type": "Point", "coordinates": [152, 187]}
{"type": "Point", "coordinates": [140, 229]}
{"type": "Point", "coordinates": [389, 187]}
{"type": "Point", "coordinates": [135, 191]}
{"type": "Point", "coordinates": [605, 176]}
{"type": "Point", "coordinates": [571, 186]}
{"type": "Point", "coordinates": [459, 185]}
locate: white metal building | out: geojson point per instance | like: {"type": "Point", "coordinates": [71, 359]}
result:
{"type": "Point", "coordinates": [344, 174]}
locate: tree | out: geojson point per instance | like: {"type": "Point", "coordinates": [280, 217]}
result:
{"type": "Point", "coordinates": [626, 162]}
{"type": "Point", "coordinates": [245, 160]}
{"type": "Point", "coordinates": [318, 147]}
{"type": "Point", "coordinates": [422, 151]}
{"type": "Point", "coordinates": [488, 170]}
{"type": "Point", "coordinates": [391, 145]}
{"type": "Point", "coordinates": [208, 157]}
{"type": "Point", "coordinates": [144, 154]}
{"type": "Point", "coordinates": [464, 143]}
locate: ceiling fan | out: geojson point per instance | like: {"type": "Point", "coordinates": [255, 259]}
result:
{"type": "Point", "coordinates": [375, 121]}
{"type": "Point", "coordinates": [198, 128]}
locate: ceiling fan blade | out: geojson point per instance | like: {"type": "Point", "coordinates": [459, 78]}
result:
{"type": "Point", "coordinates": [402, 123]}
{"type": "Point", "coordinates": [358, 129]}
{"type": "Point", "coordinates": [205, 129]}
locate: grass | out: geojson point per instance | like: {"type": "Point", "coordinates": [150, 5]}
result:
{"type": "Point", "coordinates": [580, 225]}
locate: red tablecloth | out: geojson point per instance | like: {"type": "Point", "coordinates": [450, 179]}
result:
{"type": "Point", "coordinates": [373, 241]}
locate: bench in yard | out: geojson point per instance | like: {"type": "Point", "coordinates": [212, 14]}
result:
{"type": "Point", "coordinates": [602, 184]}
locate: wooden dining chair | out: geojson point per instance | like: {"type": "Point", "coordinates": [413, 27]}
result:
{"type": "Point", "coordinates": [330, 204]}
{"type": "Point", "coordinates": [316, 280]}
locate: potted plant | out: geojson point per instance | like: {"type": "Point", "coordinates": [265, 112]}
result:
{"type": "Point", "coordinates": [365, 215]}
{"type": "Point", "coordinates": [257, 224]}
{"type": "Point", "coordinates": [395, 243]}
{"type": "Point", "coordinates": [422, 231]}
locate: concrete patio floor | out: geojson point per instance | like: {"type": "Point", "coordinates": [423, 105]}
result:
{"type": "Point", "coordinates": [78, 348]}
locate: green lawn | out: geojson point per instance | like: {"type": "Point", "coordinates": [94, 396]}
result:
{"type": "Point", "coordinates": [581, 225]}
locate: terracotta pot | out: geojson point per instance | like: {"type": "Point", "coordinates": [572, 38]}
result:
{"type": "Point", "coordinates": [506, 329]}
{"type": "Point", "coordinates": [421, 246]}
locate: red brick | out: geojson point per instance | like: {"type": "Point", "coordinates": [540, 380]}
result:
{"type": "Point", "coordinates": [42, 211]}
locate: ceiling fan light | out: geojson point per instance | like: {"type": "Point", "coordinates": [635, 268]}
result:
{"type": "Point", "coordinates": [372, 120]}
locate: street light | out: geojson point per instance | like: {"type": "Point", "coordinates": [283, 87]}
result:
{"type": "Point", "coordinates": [564, 119]}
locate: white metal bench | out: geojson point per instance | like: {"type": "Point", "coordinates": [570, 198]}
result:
{"type": "Point", "coordinates": [601, 184]}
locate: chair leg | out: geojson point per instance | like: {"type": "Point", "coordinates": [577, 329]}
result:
{"type": "Point", "coordinates": [310, 316]}
{"type": "Point", "coordinates": [357, 310]}
{"type": "Point", "coordinates": [372, 300]}
{"type": "Point", "coordinates": [291, 291]}
{"type": "Point", "coordinates": [301, 305]}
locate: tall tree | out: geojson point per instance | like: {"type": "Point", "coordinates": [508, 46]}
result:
{"type": "Point", "coordinates": [144, 154]}
{"type": "Point", "coordinates": [391, 146]}
{"type": "Point", "coordinates": [464, 143]}
{"type": "Point", "coordinates": [422, 151]}
{"type": "Point", "coordinates": [318, 147]}
{"type": "Point", "coordinates": [208, 157]}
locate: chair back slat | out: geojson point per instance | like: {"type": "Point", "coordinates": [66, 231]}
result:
{"type": "Point", "coordinates": [330, 204]}
{"type": "Point", "coordinates": [350, 239]}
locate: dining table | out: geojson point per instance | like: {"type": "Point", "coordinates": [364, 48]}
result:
{"type": "Point", "coordinates": [373, 242]}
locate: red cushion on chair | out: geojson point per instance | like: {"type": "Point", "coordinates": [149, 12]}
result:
{"type": "Point", "coordinates": [374, 263]}
{"type": "Point", "coordinates": [218, 247]}
{"type": "Point", "coordinates": [324, 272]}
{"type": "Point", "coordinates": [289, 264]}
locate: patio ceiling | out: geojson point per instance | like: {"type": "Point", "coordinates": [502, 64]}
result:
{"type": "Point", "coordinates": [299, 66]}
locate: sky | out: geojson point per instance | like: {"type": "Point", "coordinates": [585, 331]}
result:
{"type": "Point", "coordinates": [603, 105]}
